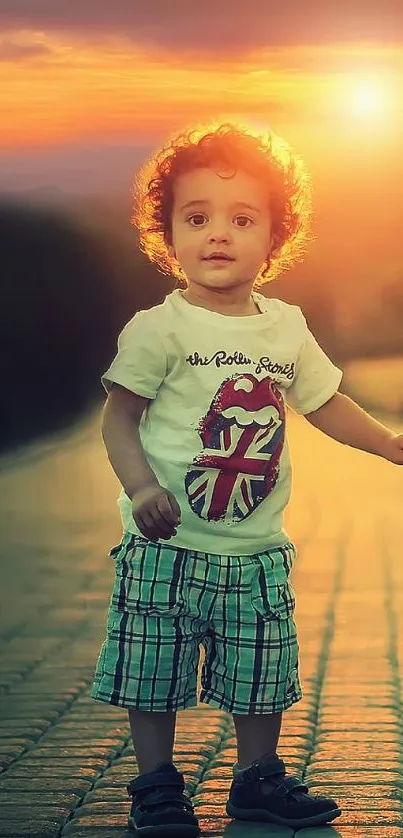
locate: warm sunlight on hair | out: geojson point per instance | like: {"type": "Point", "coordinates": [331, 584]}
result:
{"type": "Point", "coordinates": [263, 155]}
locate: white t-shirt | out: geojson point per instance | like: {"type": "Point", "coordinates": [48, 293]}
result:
{"type": "Point", "coordinates": [214, 432]}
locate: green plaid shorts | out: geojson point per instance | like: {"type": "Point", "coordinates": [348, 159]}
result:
{"type": "Point", "coordinates": [167, 602]}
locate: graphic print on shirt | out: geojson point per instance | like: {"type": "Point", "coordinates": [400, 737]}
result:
{"type": "Point", "coordinates": [243, 436]}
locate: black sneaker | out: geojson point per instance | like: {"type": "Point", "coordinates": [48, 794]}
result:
{"type": "Point", "coordinates": [160, 807]}
{"type": "Point", "coordinates": [289, 803]}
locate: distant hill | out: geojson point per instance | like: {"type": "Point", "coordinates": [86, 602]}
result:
{"type": "Point", "coordinates": [56, 173]}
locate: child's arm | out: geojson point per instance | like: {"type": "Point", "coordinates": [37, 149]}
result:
{"type": "Point", "coordinates": [155, 510]}
{"type": "Point", "coordinates": [343, 419]}
{"type": "Point", "coordinates": [120, 432]}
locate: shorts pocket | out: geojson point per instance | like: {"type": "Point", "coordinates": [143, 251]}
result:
{"type": "Point", "coordinates": [120, 549]}
{"type": "Point", "coordinates": [149, 579]}
{"type": "Point", "coordinates": [272, 599]}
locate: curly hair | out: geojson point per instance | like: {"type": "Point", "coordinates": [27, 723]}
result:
{"type": "Point", "coordinates": [266, 157]}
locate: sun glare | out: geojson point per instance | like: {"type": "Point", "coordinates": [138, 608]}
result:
{"type": "Point", "coordinates": [369, 98]}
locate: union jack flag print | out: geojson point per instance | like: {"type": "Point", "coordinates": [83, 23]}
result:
{"type": "Point", "coordinates": [243, 436]}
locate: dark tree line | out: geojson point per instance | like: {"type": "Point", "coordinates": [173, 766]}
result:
{"type": "Point", "coordinates": [65, 293]}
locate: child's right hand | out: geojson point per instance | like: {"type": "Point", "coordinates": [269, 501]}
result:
{"type": "Point", "coordinates": [156, 512]}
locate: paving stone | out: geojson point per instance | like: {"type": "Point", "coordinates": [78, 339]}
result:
{"type": "Point", "coordinates": [221, 773]}
{"type": "Point", "coordinates": [373, 732]}
{"type": "Point", "coordinates": [5, 763]}
{"type": "Point", "coordinates": [37, 690]}
{"type": "Point", "coordinates": [345, 831]}
{"type": "Point", "coordinates": [367, 806]}
{"type": "Point", "coordinates": [99, 807]}
{"type": "Point", "coordinates": [65, 770]}
{"type": "Point", "coordinates": [355, 770]}
{"type": "Point", "coordinates": [103, 793]}
{"type": "Point", "coordinates": [184, 749]}
{"type": "Point", "coordinates": [206, 787]}
{"type": "Point", "coordinates": [15, 709]}
{"type": "Point", "coordinates": [8, 729]}
{"type": "Point", "coordinates": [13, 748]}
{"type": "Point", "coordinates": [212, 798]}
{"type": "Point", "coordinates": [359, 793]}
{"type": "Point", "coordinates": [31, 798]}
{"type": "Point", "coordinates": [32, 827]}
{"type": "Point", "coordinates": [45, 784]}
{"type": "Point", "coordinates": [113, 782]}
{"type": "Point", "coordinates": [94, 832]}
{"type": "Point", "coordinates": [7, 682]}
{"type": "Point", "coordinates": [239, 829]}
{"type": "Point", "coordinates": [69, 750]}
{"type": "Point", "coordinates": [72, 733]}
{"type": "Point", "coordinates": [366, 818]}
{"type": "Point", "coordinates": [101, 820]}
{"type": "Point", "coordinates": [81, 716]}
{"type": "Point", "coordinates": [122, 762]}
{"type": "Point", "coordinates": [55, 814]}
{"type": "Point", "coordinates": [216, 824]}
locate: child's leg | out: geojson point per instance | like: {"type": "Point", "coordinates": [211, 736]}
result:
{"type": "Point", "coordinates": [257, 735]}
{"type": "Point", "coordinates": [153, 738]}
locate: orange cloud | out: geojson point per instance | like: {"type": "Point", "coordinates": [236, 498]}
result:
{"type": "Point", "coordinates": [55, 90]}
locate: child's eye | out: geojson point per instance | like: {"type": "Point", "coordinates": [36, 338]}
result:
{"type": "Point", "coordinates": [196, 215]}
{"type": "Point", "coordinates": [245, 217]}
{"type": "Point", "coordinates": [201, 215]}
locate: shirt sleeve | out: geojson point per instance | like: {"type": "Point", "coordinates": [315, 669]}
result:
{"type": "Point", "coordinates": [316, 379]}
{"type": "Point", "coordinates": [140, 363]}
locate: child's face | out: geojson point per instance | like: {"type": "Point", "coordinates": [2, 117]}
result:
{"type": "Point", "coordinates": [218, 221]}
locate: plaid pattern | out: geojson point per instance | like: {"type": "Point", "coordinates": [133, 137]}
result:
{"type": "Point", "coordinates": [166, 601]}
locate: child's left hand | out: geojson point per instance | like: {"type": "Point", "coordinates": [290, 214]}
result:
{"type": "Point", "coordinates": [392, 449]}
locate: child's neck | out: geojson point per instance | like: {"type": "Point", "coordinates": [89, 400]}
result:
{"type": "Point", "coordinates": [239, 306]}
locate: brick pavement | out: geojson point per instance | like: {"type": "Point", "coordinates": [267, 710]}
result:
{"type": "Point", "coordinates": [66, 758]}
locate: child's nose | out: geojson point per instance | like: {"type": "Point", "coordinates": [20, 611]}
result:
{"type": "Point", "coordinates": [219, 232]}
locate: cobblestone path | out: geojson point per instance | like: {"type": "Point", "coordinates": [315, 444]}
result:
{"type": "Point", "coordinates": [65, 759]}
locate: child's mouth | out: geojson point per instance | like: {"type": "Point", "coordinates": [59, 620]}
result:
{"type": "Point", "coordinates": [219, 259]}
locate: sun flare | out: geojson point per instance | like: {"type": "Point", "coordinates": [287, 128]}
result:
{"type": "Point", "coordinates": [368, 97]}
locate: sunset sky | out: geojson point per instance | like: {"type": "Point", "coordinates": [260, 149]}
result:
{"type": "Point", "coordinates": [129, 72]}
{"type": "Point", "coordinates": [88, 88]}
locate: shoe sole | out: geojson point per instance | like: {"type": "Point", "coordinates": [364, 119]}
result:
{"type": "Point", "coordinates": [163, 830]}
{"type": "Point", "coordinates": [264, 815]}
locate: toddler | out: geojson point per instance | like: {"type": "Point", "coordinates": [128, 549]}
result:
{"type": "Point", "coordinates": [195, 429]}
